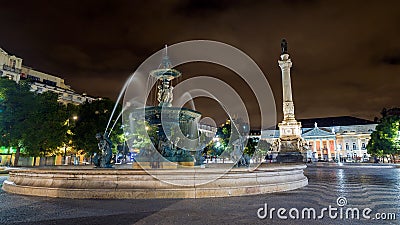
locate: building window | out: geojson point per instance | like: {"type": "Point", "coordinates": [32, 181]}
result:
{"type": "Point", "coordinates": [33, 78]}
{"type": "Point", "coordinates": [49, 82]}
{"type": "Point", "coordinates": [13, 62]}
{"type": "Point", "coordinates": [363, 146]}
{"type": "Point", "coordinates": [354, 146]}
{"type": "Point", "coordinates": [347, 146]}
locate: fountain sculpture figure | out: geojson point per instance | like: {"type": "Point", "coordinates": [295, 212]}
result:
{"type": "Point", "coordinates": [103, 159]}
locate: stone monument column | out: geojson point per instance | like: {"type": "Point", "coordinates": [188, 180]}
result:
{"type": "Point", "coordinates": [288, 107]}
{"type": "Point", "coordinates": [290, 141]}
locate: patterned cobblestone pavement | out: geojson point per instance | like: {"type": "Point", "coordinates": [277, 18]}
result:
{"type": "Point", "coordinates": [373, 187]}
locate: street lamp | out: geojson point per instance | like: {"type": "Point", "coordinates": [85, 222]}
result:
{"type": "Point", "coordinates": [68, 132]}
{"type": "Point", "coordinates": [65, 154]}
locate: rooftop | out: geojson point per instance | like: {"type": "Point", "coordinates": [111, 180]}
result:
{"type": "Point", "coordinates": [334, 121]}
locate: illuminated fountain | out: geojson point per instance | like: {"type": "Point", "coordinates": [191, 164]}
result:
{"type": "Point", "coordinates": [164, 127]}
{"type": "Point", "coordinates": [169, 142]}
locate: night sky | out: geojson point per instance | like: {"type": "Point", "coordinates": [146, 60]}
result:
{"type": "Point", "coordinates": [346, 54]}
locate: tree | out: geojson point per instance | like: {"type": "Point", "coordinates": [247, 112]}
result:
{"type": "Point", "coordinates": [226, 133]}
{"type": "Point", "coordinates": [29, 121]}
{"type": "Point", "coordinates": [143, 136]}
{"type": "Point", "coordinates": [71, 112]}
{"type": "Point", "coordinates": [17, 103]}
{"type": "Point", "coordinates": [263, 148]}
{"type": "Point", "coordinates": [46, 129]}
{"type": "Point", "coordinates": [221, 144]}
{"type": "Point", "coordinates": [251, 146]}
{"type": "Point", "coordinates": [93, 118]}
{"type": "Point", "coordinates": [385, 139]}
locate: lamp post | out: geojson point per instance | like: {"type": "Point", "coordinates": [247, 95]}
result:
{"type": "Point", "coordinates": [65, 154]}
{"type": "Point", "coordinates": [65, 145]}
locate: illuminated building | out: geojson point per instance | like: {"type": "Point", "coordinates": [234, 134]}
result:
{"type": "Point", "coordinates": [11, 67]}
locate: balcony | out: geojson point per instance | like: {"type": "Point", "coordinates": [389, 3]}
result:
{"type": "Point", "coordinates": [11, 69]}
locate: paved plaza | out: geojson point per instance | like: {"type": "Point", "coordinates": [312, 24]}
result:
{"type": "Point", "coordinates": [374, 187]}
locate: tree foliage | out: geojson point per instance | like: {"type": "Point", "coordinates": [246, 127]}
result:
{"type": "Point", "coordinates": [30, 121]}
{"type": "Point", "coordinates": [46, 129]}
{"type": "Point", "coordinates": [385, 139]}
{"type": "Point", "coordinates": [16, 104]}
{"type": "Point", "coordinates": [93, 118]}
{"type": "Point", "coordinates": [251, 146]}
{"type": "Point", "coordinates": [264, 146]}
{"type": "Point", "coordinates": [224, 136]}
{"type": "Point", "coordinates": [39, 124]}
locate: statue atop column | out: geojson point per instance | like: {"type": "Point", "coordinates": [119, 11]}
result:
{"type": "Point", "coordinates": [284, 46]}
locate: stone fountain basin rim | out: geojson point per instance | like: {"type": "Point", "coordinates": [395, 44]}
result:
{"type": "Point", "coordinates": [277, 168]}
{"type": "Point", "coordinates": [138, 184]}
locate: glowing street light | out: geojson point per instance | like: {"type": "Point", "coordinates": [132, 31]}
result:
{"type": "Point", "coordinates": [68, 132]}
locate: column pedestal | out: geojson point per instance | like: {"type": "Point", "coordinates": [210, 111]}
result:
{"type": "Point", "coordinates": [289, 151]}
{"type": "Point", "coordinates": [290, 157]}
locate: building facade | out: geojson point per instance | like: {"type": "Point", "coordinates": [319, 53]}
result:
{"type": "Point", "coordinates": [338, 139]}
{"type": "Point", "coordinates": [11, 67]}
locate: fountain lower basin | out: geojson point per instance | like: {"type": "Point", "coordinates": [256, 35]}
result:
{"type": "Point", "coordinates": [170, 183]}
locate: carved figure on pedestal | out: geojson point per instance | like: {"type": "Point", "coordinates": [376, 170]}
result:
{"type": "Point", "coordinates": [165, 94]}
{"type": "Point", "coordinates": [103, 159]}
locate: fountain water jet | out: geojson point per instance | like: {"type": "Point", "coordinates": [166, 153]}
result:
{"type": "Point", "coordinates": [128, 81]}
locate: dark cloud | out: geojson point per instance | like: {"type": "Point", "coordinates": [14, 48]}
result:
{"type": "Point", "coordinates": [392, 59]}
{"type": "Point", "coordinates": [203, 7]}
{"type": "Point", "coordinates": [345, 53]}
